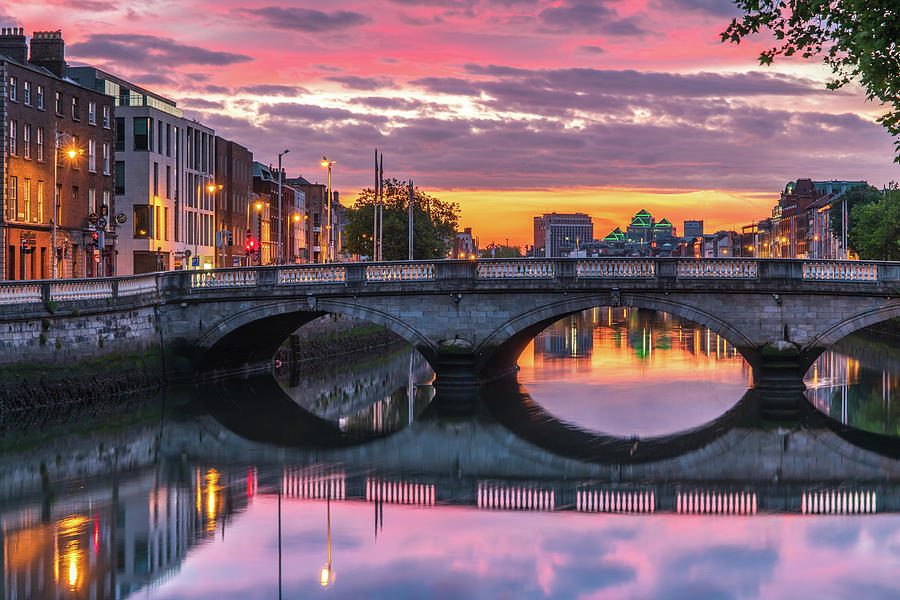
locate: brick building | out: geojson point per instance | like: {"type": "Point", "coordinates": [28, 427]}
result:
{"type": "Point", "coordinates": [36, 101]}
{"type": "Point", "coordinates": [234, 173]}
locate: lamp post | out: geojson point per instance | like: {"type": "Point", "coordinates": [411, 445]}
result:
{"type": "Point", "coordinates": [327, 163]}
{"type": "Point", "coordinates": [259, 207]}
{"type": "Point", "coordinates": [59, 138]}
{"type": "Point", "coordinates": [280, 227]}
{"type": "Point", "coordinates": [212, 188]}
{"type": "Point", "coordinates": [294, 245]}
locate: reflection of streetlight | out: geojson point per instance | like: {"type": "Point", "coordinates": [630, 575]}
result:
{"type": "Point", "coordinates": [328, 163]}
{"type": "Point", "coordinates": [326, 574]}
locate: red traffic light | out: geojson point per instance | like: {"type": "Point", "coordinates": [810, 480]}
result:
{"type": "Point", "coordinates": [250, 246]}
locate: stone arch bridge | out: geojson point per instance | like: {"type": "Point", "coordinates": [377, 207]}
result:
{"type": "Point", "coordinates": [471, 319]}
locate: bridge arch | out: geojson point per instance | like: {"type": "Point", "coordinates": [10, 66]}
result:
{"type": "Point", "coordinates": [499, 351]}
{"type": "Point", "coordinates": [252, 336]}
{"type": "Point", "coordinates": [842, 329]}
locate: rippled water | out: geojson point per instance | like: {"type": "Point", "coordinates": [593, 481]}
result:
{"type": "Point", "coordinates": [345, 481]}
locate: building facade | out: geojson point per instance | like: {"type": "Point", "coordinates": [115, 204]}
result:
{"type": "Point", "coordinates": [163, 169]}
{"type": "Point", "coordinates": [234, 185]}
{"type": "Point", "coordinates": [558, 234]}
{"type": "Point", "coordinates": [39, 106]}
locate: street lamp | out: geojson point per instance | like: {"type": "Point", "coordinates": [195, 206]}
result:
{"type": "Point", "coordinates": [294, 245]}
{"type": "Point", "coordinates": [280, 177]}
{"type": "Point", "coordinates": [327, 163]}
{"type": "Point", "coordinates": [60, 138]}
{"type": "Point", "coordinates": [212, 188]}
{"type": "Point", "coordinates": [259, 207]}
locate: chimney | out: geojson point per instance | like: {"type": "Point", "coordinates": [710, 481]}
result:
{"type": "Point", "coordinates": [48, 51]}
{"type": "Point", "coordinates": [13, 44]}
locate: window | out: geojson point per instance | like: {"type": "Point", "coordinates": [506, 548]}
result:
{"type": "Point", "coordinates": [168, 181]}
{"type": "Point", "coordinates": [13, 149]}
{"type": "Point", "coordinates": [159, 136]}
{"type": "Point", "coordinates": [156, 179]}
{"type": "Point", "coordinates": [26, 199]}
{"type": "Point", "coordinates": [120, 134]}
{"type": "Point", "coordinates": [106, 116]}
{"type": "Point", "coordinates": [120, 177]}
{"type": "Point", "coordinates": [14, 198]}
{"type": "Point", "coordinates": [13, 88]}
{"type": "Point", "coordinates": [92, 200]}
{"type": "Point", "coordinates": [26, 92]}
{"type": "Point", "coordinates": [76, 114]}
{"type": "Point", "coordinates": [141, 133]}
{"type": "Point", "coordinates": [92, 156]}
{"type": "Point", "coordinates": [40, 143]}
{"type": "Point", "coordinates": [106, 158]}
{"type": "Point", "coordinates": [150, 134]}
{"type": "Point", "coordinates": [141, 221]}
{"type": "Point", "coordinates": [105, 208]}
{"type": "Point", "coordinates": [40, 97]}
{"type": "Point", "coordinates": [156, 222]}
{"type": "Point", "coordinates": [92, 112]}
{"type": "Point", "coordinates": [166, 223]}
{"type": "Point", "coordinates": [59, 103]}
{"type": "Point", "coordinates": [26, 140]}
{"type": "Point", "coordinates": [168, 139]}
{"type": "Point", "coordinates": [40, 201]}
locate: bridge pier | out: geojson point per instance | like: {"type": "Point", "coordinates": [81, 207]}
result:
{"type": "Point", "coordinates": [778, 378]}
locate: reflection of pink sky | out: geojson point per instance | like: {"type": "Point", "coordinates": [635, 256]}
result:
{"type": "Point", "coordinates": [462, 552]}
{"type": "Point", "coordinates": [622, 391]}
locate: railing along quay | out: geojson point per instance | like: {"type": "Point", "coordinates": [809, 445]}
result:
{"type": "Point", "coordinates": [779, 271]}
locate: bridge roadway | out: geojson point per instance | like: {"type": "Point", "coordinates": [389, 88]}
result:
{"type": "Point", "coordinates": [471, 319]}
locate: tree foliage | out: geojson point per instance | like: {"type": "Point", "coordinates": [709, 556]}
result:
{"type": "Point", "coordinates": [434, 223]}
{"type": "Point", "coordinates": [855, 197]}
{"type": "Point", "coordinates": [876, 233]}
{"type": "Point", "coordinates": [502, 251]}
{"type": "Point", "coordinates": [858, 39]}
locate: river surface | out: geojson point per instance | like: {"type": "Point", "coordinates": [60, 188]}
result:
{"type": "Point", "coordinates": [339, 480]}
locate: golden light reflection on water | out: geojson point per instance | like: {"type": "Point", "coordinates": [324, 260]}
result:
{"type": "Point", "coordinates": [628, 371]}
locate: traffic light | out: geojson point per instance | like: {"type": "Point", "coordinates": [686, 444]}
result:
{"type": "Point", "coordinates": [95, 237]}
{"type": "Point", "coordinates": [250, 246]}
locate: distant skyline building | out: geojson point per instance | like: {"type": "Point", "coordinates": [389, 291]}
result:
{"type": "Point", "coordinates": [692, 229]}
{"type": "Point", "coordinates": [557, 234]}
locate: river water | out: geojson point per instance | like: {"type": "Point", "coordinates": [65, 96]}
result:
{"type": "Point", "coordinates": [345, 480]}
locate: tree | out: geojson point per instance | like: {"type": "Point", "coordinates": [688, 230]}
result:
{"type": "Point", "coordinates": [855, 197]}
{"type": "Point", "coordinates": [502, 252]}
{"type": "Point", "coordinates": [434, 223]}
{"type": "Point", "coordinates": [856, 38]}
{"type": "Point", "coordinates": [876, 234]}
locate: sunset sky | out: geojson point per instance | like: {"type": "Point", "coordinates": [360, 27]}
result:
{"type": "Point", "coordinates": [509, 107]}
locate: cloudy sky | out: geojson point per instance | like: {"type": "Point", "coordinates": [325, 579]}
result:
{"type": "Point", "coordinates": [509, 107]}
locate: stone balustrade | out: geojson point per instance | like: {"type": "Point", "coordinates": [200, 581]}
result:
{"type": "Point", "coordinates": [728, 268]}
{"type": "Point", "coordinates": [614, 269]}
{"type": "Point", "coordinates": [311, 274]}
{"type": "Point", "coordinates": [224, 278]}
{"type": "Point", "coordinates": [515, 269]}
{"type": "Point", "coordinates": [81, 289]}
{"type": "Point", "coordinates": [20, 293]}
{"type": "Point", "coordinates": [400, 272]}
{"type": "Point", "coordinates": [132, 286]}
{"type": "Point", "coordinates": [844, 270]}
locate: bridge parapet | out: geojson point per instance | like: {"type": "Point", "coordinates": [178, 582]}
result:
{"type": "Point", "coordinates": [797, 272]}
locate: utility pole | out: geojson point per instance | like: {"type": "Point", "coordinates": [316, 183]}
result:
{"type": "Point", "coordinates": [381, 209]}
{"type": "Point", "coordinates": [410, 219]}
{"type": "Point", "coordinates": [375, 208]}
{"type": "Point", "coordinates": [280, 177]}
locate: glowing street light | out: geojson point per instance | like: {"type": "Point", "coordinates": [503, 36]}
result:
{"type": "Point", "coordinates": [60, 139]}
